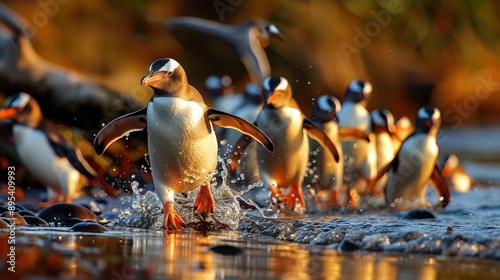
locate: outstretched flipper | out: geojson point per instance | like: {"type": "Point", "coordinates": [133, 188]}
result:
{"type": "Point", "coordinates": [348, 132]}
{"type": "Point", "coordinates": [319, 135]}
{"type": "Point", "coordinates": [371, 185]}
{"type": "Point", "coordinates": [74, 157]}
{"type": "Point", "coordinates": [224, 119]}
{"type": "Point", "coordinates": [119, 127]}
{"type": "Point", "coordinates": [441, 185]}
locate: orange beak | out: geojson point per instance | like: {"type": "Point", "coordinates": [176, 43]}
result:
{"type": "Point", "coordinates": [273, 97]}
{"type": "Point", "coordinates": [7, 113]}
{"type": "Point", "coordinates": [153, 79]}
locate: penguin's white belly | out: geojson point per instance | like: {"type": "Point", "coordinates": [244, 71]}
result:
{"type": "Point", "coordinates": [40, 159]}
{"type": "Point", "coordinates": [287, 165]}
{"type": "Point", "coordinates": [359, 155]}
{"type": "Point", "coordinates": [385, 149]}
{"type": "Point", "coordinates": [417, 158]}
{"type": "Point", "coordinates": [182, 146]}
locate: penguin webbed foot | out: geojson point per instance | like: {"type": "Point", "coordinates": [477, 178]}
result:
{"type": "Point", "coordinates": [295, 197]}
{"type": "Point", "coordinates": [204, 202]}
{"type": "Point", "coordinates": [172, 220]}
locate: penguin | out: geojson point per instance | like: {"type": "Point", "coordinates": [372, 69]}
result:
{"type": "Point", "coordinates": [360, 156]}
{"type": "Point", "coordinates": [456, 176]}
{"type": "Point", "coordinates": [402, 129]}
{"type": "Point", "coordinates": [181, 140]}
{"type": "Point", "coordinates": [385, 142]}
{"type": "Point", "coordinates": [328, 172]}
{"type": "Point", "coordinates": [221, 93]}
{"type": "Point", "coordinates": [283, 121]}
{"type": "Point", "coordinates": [248, 40]}
{"type": "Point", "coordinates": [44, 151]}
{"type": "Point", "coordinates": [415, 164]}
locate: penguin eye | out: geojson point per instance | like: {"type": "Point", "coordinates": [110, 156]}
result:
{"type": "Point", "coordinates": [169, 73]}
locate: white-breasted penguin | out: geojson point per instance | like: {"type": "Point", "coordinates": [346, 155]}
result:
{"type": "Point", "coordinates": [385, 144]}
{"type": "Point", "coordinates": [328, 174]}
{"type": "Point", "coordinates": [181, 141]}
{"type": "Point", "coordinates": [360, 156]}
{"type": "Point", "coordinates": [248, 40]}
{"type": "Point", "coordinates": [283, 121]}
{"type": "Point", "coordinates": [415, 164]}
{"type": "Point", "coordinates": [44, 151]}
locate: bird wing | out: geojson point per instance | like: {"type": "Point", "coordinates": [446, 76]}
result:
{"type": "Point", "coordinates": [441, 185]}
{"type": "Point", "coordinates": [348, 132]}
{"type": "Point", "coordinates": [222, 31]}
{"type": "Point", "coordinates": [74, 156]}
{"type": "Point", "coordinates": [319, 135]}
{"type": "Point", "coordinates": [224, 119]}
{"type": "Point", "coordinates": [119, 127]}
{"type": "Point", "coordinates": [62, 148]}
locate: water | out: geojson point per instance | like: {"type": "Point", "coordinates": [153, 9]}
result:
{"type": "Point", "coordinates": [461, 242]}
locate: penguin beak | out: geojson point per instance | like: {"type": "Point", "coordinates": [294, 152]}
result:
{"type": "Point", "coordinates": [8, 113]}
{"type": "Point", "coordinates": [152, 78]}
{"type": "Point", "coordinates": [273, 97]}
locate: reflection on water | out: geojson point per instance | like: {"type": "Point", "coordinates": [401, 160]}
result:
{"type": "Point", "coordinates": [157, 255]}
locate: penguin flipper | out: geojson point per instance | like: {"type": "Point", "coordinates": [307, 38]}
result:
{"type": "Point", "coordinates": [222, 31]}
{"type": "Point", "coordinates": [224, 119]}
{"type": "Point", "coordinates": [370, 187]}
{"type": "Point", "coordinates": [74, 157]}
{"type": "Point", "coordinates": [347, 132]}
{"type": "Point", "coordinates": [119, 127]}
{"type": "Point", "coordinates": [441, 185]}
{"type": "Point", "coordinates": [319, 135]}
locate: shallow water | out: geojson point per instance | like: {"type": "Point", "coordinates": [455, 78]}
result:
{"type": "Point", "coordinates": [461, 242]}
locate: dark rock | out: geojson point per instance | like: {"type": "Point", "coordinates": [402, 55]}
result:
{"type": "Point", "coordinates": [35, 221]}
{"type": "Point", "coordinates": [418, 214]}
{"type": "Point", "coordinates": [226, 250]}
{"type": "Point", "coordinates": [348, 246]}
{"type": "Point", "coordinates": [61, 213]}
{"type": "Point", "coordinates": [89, 227]}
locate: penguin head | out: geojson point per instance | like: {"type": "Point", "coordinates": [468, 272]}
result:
{"type": "Point", "coordinates": [253, 94]}
{"type": "Point", "coordinates": [165, 74]}
{"type": "Point", "coordinates": [266, 31]}
{"type": "Point", "coordinates": [22, 108]}
{"type": "Point", "coordinates": [428, 120]}
{"type": "Point", "coordinates": [449, 164]}
{"type": "Point", "coordinates": [358, 91]}
{"type": "Point", "coordinates": [217, 85]}
{"type": "Point", "coordinates": [382, 121]}
{"type": "Point", "coordinates": [325, 108]}
{"type": "Point", "coordinates": [277, 92]}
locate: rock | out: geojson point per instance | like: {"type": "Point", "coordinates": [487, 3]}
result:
{"type": "Point", "coordinates": [35, 221]}
{"type": "Point", "coordinates": [348, 246]}
{"type": "Point", "coordinates": [61, 213]}
{"type": "Point", "coordinates": [226, 250]}
{"type": "Point", "coordinates": [89, 227]}
{"type": "Point", "coordinates": [418, 214]}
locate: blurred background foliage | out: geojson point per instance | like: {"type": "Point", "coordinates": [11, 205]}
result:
{"type": "Point", "coordinates": [414, 52]}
